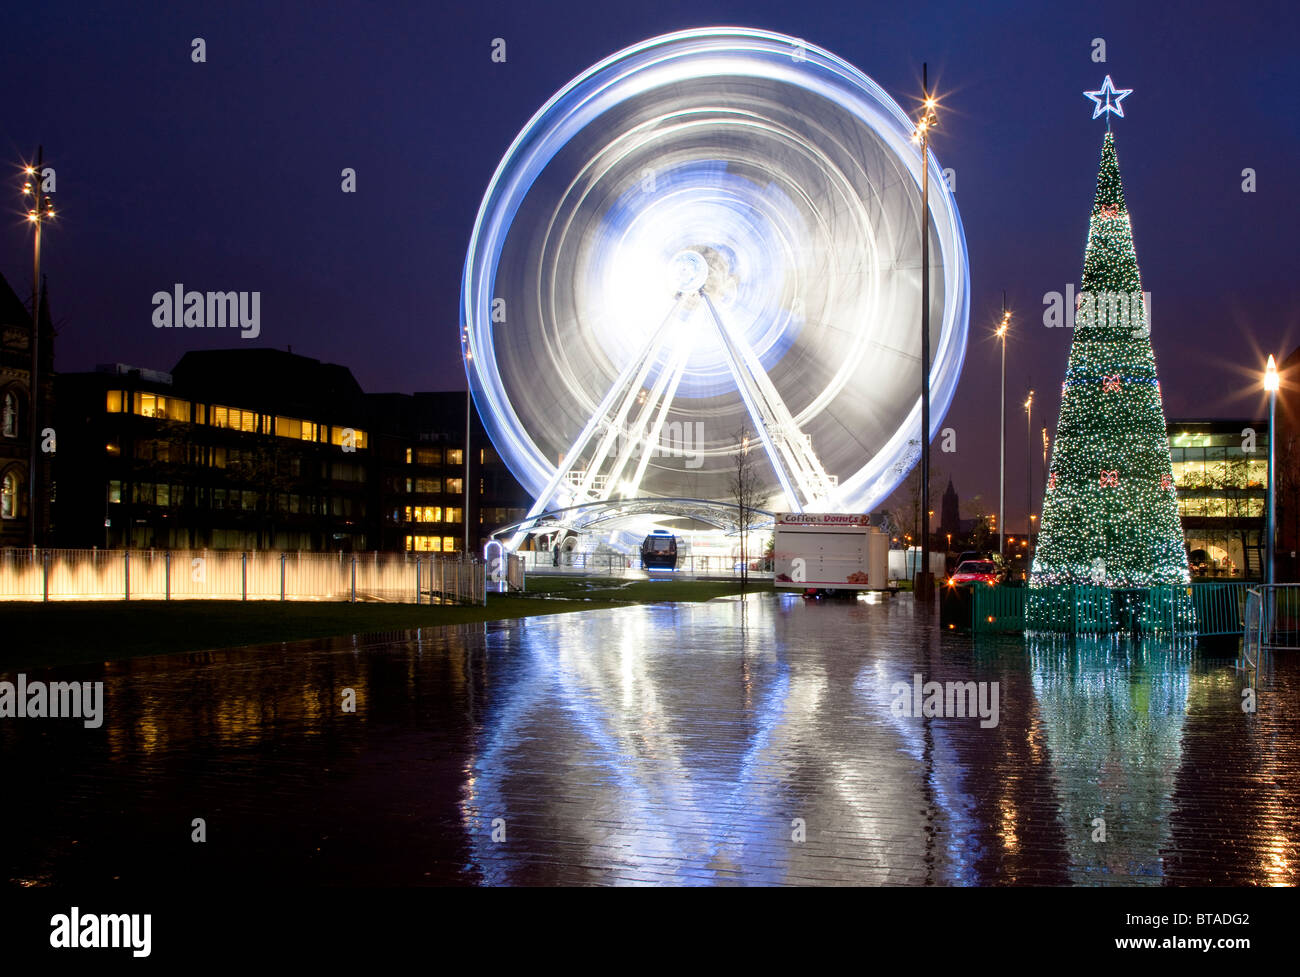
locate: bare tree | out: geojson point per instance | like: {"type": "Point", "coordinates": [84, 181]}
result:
{"type": "Point", "coordinates": [908, 511]}
{"type": "Point", "coordinates": [745, 495]}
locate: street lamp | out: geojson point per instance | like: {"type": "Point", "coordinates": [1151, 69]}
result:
{"type": "Point", "coordinates": [1271, 383]}
{"type": "Point", "coordinates": [928, 120]}
{"type": "Point", "coordinates": [1029, 460]}
{"type": "Point", "coordinates": [39, 210]}
{"type": "Point", "coordinates": [1003, 326]}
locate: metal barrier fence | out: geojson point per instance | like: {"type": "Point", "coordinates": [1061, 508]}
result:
{"type": "Point", "coordinates": [1272, 620]}
{"type": "Point", "coordinates": [615, 565]}
{"type": "Point", "coordinates": [1252, 634]}
{"type": "Point", "coordinates": [45, 575]}
{"type": "Point", "coordinates": [1199, 608]}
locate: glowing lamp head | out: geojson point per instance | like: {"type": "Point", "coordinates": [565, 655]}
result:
{"type": "Point", "coordinates": [1271, 379]}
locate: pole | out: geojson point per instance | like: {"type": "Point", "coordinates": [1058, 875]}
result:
{"type": "Point", "coordinates": [1272, 493]}
{"type": "Point", "coordinates": [1002, 449]}
{"type": "Point", "coordinates": [1029, 470]}
{"type": "Point", "coordinates": [925, 340]}
{"type": "Point", "coordinates": [34, 389]}
{"type": "Point", "coordinates": [468, 408]}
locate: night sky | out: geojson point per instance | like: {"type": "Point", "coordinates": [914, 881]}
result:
{"type": "Point", "coordinates": [226, 175]}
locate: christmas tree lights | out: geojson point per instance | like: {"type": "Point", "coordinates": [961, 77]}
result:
{"type": "Point", "coordinates": [1110, 512]}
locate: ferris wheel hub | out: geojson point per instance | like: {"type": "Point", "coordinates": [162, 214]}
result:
{"type": "Point", "coordinates": [688, 271]}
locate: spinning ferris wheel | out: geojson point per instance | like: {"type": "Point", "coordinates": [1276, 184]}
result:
{"type": "Point", "coordinates": [706, 244]}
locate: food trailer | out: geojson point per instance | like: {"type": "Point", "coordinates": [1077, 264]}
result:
{"type": "Point", "coordinates": [829, 551]}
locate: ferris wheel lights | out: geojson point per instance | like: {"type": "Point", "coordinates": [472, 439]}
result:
{"type": "Point", "coordinates": [687, 272]}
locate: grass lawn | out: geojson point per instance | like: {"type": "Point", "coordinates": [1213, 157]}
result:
{"type": "Point", "coordinates": [637, 591]}
{"type": "Point", "coordinates": [64, 632]}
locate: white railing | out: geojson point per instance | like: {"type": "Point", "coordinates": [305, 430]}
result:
{"type": "Point", "coordinates": [616, 565]}
{"type": "Point", "coordinates": [516, 572]}
{"type": "Point", "coordinates": [45, 575]}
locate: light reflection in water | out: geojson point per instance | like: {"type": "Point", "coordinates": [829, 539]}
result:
{"type": "Point", "coordinates": [667, 744]}
{"type": "Point", "coordinates": [1113, 713]}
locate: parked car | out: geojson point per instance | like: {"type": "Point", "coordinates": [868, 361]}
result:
{"type": "Point", "coordinates": [977, 571]}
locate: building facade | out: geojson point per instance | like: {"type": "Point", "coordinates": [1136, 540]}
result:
{"type": "Point", "coordinates": [17, 418]}
{"type": "Point", "coordinates": [1220, 471]}
{"type": "Point", "coordinates": [263, 449]}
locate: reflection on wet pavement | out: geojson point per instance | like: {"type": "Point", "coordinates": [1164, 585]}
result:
{"type": "Point", "coordinates": [754, 741]}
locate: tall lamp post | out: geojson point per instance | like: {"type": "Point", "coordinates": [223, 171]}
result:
{"type": "Point", "coordinates": [39, 210]}
{"type": "Point", "coordinates": [929, 119]}
{"type": "Point", "coordinates": [1002, 449]}
{"type": "Point", "coordinates": [1271, 383]}
{"type": "Point", "coordinates": [469, 408]}
{"type": "Point", "coordinates": [1029, 467]}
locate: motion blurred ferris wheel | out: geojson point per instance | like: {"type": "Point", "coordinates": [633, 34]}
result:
{"type": "Point", "coordinates": [708, 244]}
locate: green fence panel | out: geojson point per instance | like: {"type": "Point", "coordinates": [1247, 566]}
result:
{"type": "Point", "coordinates": [1201, 608]}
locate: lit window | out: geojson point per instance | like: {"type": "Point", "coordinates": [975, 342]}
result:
{"type": "Point", "coordinates": [293, 427]}
{"type": "Point", "coordinates": [347, 435]}
{"type": "Point", "coordinates": [114, 405]}
{"type": "Point", "coordinates": [455, 456]}
{"type": "Point", "coordinates": [9, 422]}
{"type": "Point", "coordinates": [9, 496]}
{"type": "Point", "coordinates": [234, 418]}
{"type": "Point", "coordinates": [161, 407]}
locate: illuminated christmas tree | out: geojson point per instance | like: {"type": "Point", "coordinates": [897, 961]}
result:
{"type": "Point", "coordinates": [1110, 514]}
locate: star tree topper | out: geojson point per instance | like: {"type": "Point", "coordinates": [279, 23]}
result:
{"type": "Point", "coordinates": [1102, 102]}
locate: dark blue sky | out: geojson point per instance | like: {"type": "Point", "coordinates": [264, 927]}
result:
{"type": "Point", "coordinates": [226, 174]}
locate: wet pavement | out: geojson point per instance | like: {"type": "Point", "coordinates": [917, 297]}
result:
{"type": "Point", "coordinates": [757, 741]}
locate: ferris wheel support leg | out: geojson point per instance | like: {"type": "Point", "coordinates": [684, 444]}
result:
{"type": "Point", "coordinates": [543, 502]}
{"type": "Point", "coordinates": [633, 435]}
{"type": "Point", "coordinates": [678, 371]}
{"type": "Point", "coordinates": [790, 452]}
